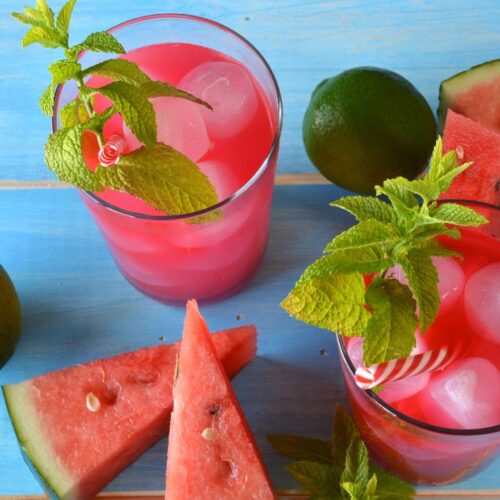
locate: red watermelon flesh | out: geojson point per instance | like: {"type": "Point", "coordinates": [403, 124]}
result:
{"type": "Point", "coordinates": [76, 451]}
{"type": "Point", "coordinates": [481, 181]}
{"type": "Point", "coordinates": [211, 452]}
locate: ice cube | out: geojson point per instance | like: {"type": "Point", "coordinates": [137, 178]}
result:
{"type": "Point", "coordinates": [180, 125]}
{"type": "Point", "coordinates": [229, 89]}
{"type": "Point", "coordinates": [482, 302]}
{"type": "Point", "coordinates": [222, 177]}
{"type": "Point", "coordinates": [464, 396]}
{"type": "Point", "coordinates": [451, 280]}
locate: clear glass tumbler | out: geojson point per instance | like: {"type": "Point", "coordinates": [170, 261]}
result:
{"type": "Point", "coordinates": [416, 450]}
{"type": "Point", "coordinates": [168, 257]}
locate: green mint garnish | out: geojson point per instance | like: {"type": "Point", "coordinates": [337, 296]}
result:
{"type": "Point", "coordinates": [339, 468]}
{"type": "Point", "coordinates": [331, 293]}
{"type": "Point", "coordinates": [156, 173]}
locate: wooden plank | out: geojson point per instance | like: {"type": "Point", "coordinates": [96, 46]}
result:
{"type": "Point", "coordinates": [77, 307]}
{"type": "Point", "coordinates": [281, 495]}
{"type": "Point", "coordinates": [281, 180]}
{"type": "Point", "coordinates": [304, 41]}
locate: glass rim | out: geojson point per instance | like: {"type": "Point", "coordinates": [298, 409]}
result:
{"type": "Point", "coordinates": [396, 413]}
{"type": "Point", "coordinates": [266, 162]}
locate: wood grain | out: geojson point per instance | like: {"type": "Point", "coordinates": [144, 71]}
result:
{"type": "Point", "coordinates": [305, 41]}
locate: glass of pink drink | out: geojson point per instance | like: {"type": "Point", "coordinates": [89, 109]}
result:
{"type": "Point", "coordinates": [174, 258]}
{"type": "Point", "coordinates": [435, 428]}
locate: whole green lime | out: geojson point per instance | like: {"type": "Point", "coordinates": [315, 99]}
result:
{"type": "Point", "coordinates": [366, 125]}
{"type": "Point", "coordinates": [10, 317]}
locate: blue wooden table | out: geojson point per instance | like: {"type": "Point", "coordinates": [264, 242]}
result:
{"type": "Point", "coordinates": [77, 306]}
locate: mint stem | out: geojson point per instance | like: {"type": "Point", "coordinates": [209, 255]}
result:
{"type": "Point", "coordinates": [90, 110]}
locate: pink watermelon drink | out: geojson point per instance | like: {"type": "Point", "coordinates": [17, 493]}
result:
{"type": "Point", "coordinates": [435, 427]}
{"type": "Point", "coordinates": [173, 258]}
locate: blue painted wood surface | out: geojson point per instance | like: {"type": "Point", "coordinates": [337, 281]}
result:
{"type": "Point", "coordinates": [304, 41]}
{"type": "Point", "coordinates": [77, 307]}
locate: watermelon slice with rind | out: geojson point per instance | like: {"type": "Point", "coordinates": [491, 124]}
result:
{"type": "Point", "coordinates": [80, 426]}
{"type": "Point", "coordinates": [211, 452]}
{"type": "Point", "coordinates": [474, 93]}
{"type": "Point", "coordinates": [481, 146]}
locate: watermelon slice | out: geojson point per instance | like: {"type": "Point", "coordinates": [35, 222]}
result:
{"type": "Point", "coordinates": [80, 426]}
{"type": "Point", "coordinates": [481, 181]}
{"type": "Point", "coordinates": [211, 452]}
{"type": "Point", "coordinates": [474, 93]}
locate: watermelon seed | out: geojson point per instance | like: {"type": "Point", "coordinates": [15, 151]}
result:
{"type": "Point", "coordinates": [210, 434]}
{"type": "Point", "coordinates": [214, 410]}
{"type": "Point", "coordinates": [93, 402]}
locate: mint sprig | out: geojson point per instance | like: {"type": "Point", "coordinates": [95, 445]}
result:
{"type": "Point", "coordinates": [339, 468]}
{"type": "Point", "coordinates": [158, 174]}
{"type": "Point", "coordinates": [331, 293]}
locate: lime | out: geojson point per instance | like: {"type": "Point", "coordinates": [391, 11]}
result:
{"type": "Point", "coordinates": [366, 125]}
{"type": "Point", "coordinates": [10, 317]}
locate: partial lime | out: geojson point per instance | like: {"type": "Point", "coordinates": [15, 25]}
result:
{"type": "Point", "coordinates": [366, 125]}
{"type": "Point", "coordinates": [10, 317]}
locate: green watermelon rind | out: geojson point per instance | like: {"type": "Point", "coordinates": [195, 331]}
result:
{"type": "Point", "coordinates": [28, 432]}
{"type": "Point", "coordinates": [461, 82]}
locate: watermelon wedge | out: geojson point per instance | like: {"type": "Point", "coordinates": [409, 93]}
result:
{"type": "Point", "coordinates": [80, 426]}
{"type": "Point", "coordinates": [211, 452]}
{"type": "Point", "coordinates": [474, 93]}
{"type": "Point", "coordinates": [481, 181]}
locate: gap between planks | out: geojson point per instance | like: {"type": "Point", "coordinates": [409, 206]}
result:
{"type": "Point", "coordinates": [281, 180]}
{"type": "Point", "coordinates": [282, 495]}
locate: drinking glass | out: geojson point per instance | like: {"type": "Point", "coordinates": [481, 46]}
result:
{"type": "Point", "coordinates": [170, 258]}
{"type": "Point", "coordinates": [417, 451]}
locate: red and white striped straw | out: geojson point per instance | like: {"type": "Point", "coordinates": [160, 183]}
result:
{"type": "Point", "coordinates": [110, 153]}
{"type": "Point", "coordinates": [396, 369]}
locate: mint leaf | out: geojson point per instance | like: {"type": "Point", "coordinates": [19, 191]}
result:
{"type": "Point", "coordinates": [390, 487]}
{"type": "Point", "coordinates": [363, 260]}
{"type": "Point", "coordinates": [163, 89]}
{"type": "Point", "coordinates": [26, 19]}
{"type": "Point", "coordinates": [302, 448]}
{"type": "Point", "coordinates": [356, 464]}
{"type": "Point", "coordinates": [364, 207]}
{"type": "Point", "coordinates": [119, 69]}
{"type": "Point", "coordinates": [343, 433]}
{"type": "Point", "coordinates": [47, 100]}
{"type": "Point", "coordinates": [319, 479]}
{"type": "Point", "coordinates": [137, 112]}
{"type": "Point", "coordinates": [64, 70]}
{"type": "Point", "coordinates": [371, 487]}
{"type": "Point", "coordinates": [424, 188]}
{"type": "Point", "coordinates": [334, 302]}
{"type": "Point", "coordinates": [64, 156]}
{"type": "Point", "coordinates": [47, 37]}
{"type": "Point", "coordinates": [162, 177]}
{"type": "Point", "coordinates": [64, 16]}
{"type": "Point", "coordinates": [423, 281]}
{"type": "Point", "coordinates": [390, 331]}
{"type": "Point", "coordinates": [453, 213]}
{"type": "Point", "coordinates": [46, 12]}
{"type": "Point", "coordinates": [366, 233]}
{"type": "Point", "coordinates": [74, 113]}
{"type": "Point", "coordinates": [354, 490]}
{"type": "Point", "coordinates": [428, 230]}
{"type": "Point", "coordinates": [444, 169]}
{"type": "Point", "coordinates": [101, 41]}
{"type": "Point", "coordinates": [402, 200]}
{"type": "Point", "coordinates": [433, 248]}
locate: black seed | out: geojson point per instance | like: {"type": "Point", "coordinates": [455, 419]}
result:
{"type": "Point", "coordinates": [214, 410]}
